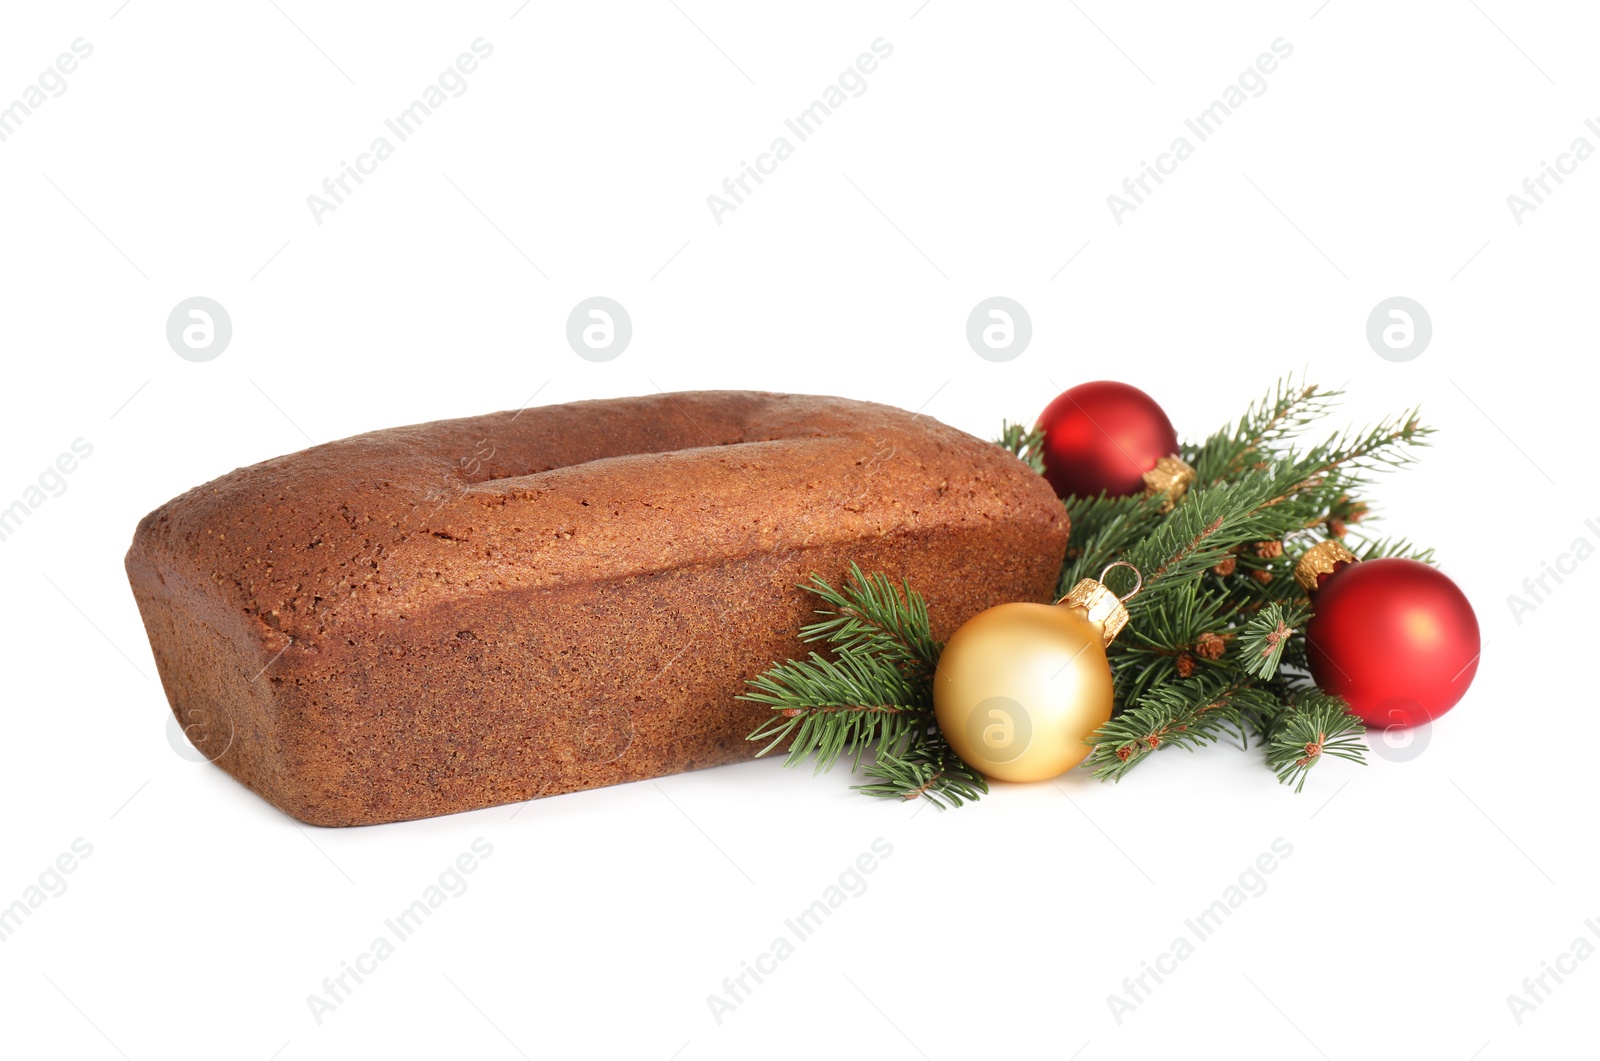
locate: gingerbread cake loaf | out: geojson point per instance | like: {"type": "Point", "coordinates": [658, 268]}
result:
{"type": "Point", "coordinates": [472, 612]}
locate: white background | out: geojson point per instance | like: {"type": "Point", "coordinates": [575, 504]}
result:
{"type": "Point", "coordinates": [1419, 894]}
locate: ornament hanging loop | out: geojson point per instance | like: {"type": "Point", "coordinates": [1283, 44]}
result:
{"type": "Point", "coordinates": [1137, 575]}
{"type": "Point", "coordinates": [1100, 605]}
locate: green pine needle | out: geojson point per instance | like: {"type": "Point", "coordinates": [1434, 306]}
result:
{"type": "Point", "coordinates": [1024, 443]}
{"type": "Point", "coordinates": [870, 697]}
{"type": "Point", "coordinates": [871, 616]}
{"type": "Point", "coordinates": [1264, 638]}
{"type": "Point", "coordinates": [1182, 714]}
{"type": "Point", "coordinates": [1310, 729]}
{"type": "Point", "coordinates": [923, 766]}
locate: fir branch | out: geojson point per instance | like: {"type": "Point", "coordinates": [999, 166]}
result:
{"type": "Point", "coordinates": [1313, 726]}
{"type": "Point", "coordinates": [1103, 529]}
{"type": "Point", "coordinates": [1263, 639]}
{"type": "Point", "coordinates": [923, 767]}
{"type": "Point", "coordinates": [1265, 504]}
{"type": "Point", "coordinates": [1266, 424]}
{"type": "Point", "coordinates": [1189, 634]}
{"type": "Point", "coordinates": [869, 615]}
{"type": "Point", "coordinates": [1024, 443]}
{"type": "Point", "coordinates": [1387, 444]}
{"type": "Point", "coordinates": [1180, 714]}
{"type": "Point", "coordinates": [872, 693]}
{"type": "Point", "coordinates": [834, 707]}
{"type": "Point", "coordinates": [1200, 533]}
{"type": "Point", "coordinates": [1344, 461]}
{"type": "Point", "coordinates": [1384, 547]}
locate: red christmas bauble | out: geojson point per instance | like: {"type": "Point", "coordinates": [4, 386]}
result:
{"type": "Point", "coordinates": [1395, 638]}
{"type": "Point", "coordinates": [1104, 436]}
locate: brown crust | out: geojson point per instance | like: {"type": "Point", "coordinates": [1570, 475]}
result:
{"type": "Point", "coordinates": [469, 612]}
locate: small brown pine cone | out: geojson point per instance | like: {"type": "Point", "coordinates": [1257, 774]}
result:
{"type": "Point", "coordinates": [1210, 646]}
{"type": "Point", "coordinates": [1262, 577]}
{"type": "Point", "coordinates": [1269, 550]}
{"type": "Point", "coordinates": [1336, 527]}
{"type": "Point", "coordinates": [1227, 567]}
{"type": "Point", "coordinates": [1185, 665]}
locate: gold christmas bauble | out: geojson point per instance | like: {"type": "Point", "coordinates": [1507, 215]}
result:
{"type": "Point", "coordinates": [1019, 686]}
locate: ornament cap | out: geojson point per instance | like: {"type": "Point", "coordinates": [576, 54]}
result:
{"type": "Point", "coordinates": [1171, 477]}
{"type": "Point", "coordinates": [1320, 559]}
{"type": "Point", "coordinates": [1100, 605]}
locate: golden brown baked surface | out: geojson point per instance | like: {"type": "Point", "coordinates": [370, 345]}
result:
{"type": "Point", "coordinates": [458, 614]}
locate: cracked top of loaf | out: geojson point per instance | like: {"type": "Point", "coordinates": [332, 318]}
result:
{"type": "Point", "coordinates": [368, 530]}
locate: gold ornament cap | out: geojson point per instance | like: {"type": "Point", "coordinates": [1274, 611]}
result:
{"type": "Point", "coordinates": [1320, 560]}
{"type": "Point", "coordinates": [1100, 605]}
{"type": "Point", "coordinates": [1170, 477]}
